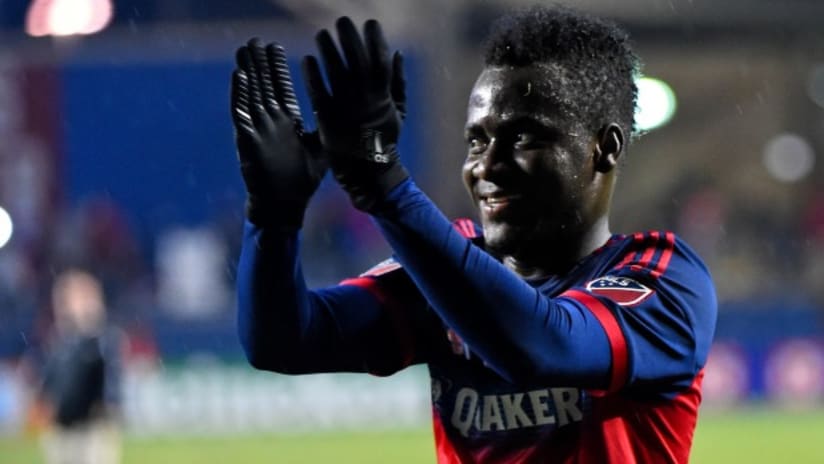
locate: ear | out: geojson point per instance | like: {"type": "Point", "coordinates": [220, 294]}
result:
{"type": "Point", "coordinates": [608, 149]}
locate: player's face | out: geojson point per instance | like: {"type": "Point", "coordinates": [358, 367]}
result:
{"type": "Point", "coordinates": [529, 167]}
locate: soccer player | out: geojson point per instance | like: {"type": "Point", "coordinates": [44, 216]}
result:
{"type": "Point", "coordinates": [548, 338]}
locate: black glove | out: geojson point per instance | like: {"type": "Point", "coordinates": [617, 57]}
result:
{"type": "Point", "coordinates": [360, 119]}
{"type": "Point", "coordinates": [281, 165]}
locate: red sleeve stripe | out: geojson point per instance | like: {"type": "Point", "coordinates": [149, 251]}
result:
{"type": "Point", "coordinates": [666, 255]}
{"type": "Point", "coordinates": [637, 238]}
{"type": "Point", "coordinates": [617, 342]}
{"type": "Point", "coordinates": [652, 247]}
{"type": "Point", "coordinates": [405, 339]}
{"type": "Point", "coordinates": [655, 255]}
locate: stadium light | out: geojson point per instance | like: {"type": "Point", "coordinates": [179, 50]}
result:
{"type": "Point", "coordinates": [6, 227]}
{"type": "Point", "coordinates": [67, 17]}
{"type": "Point", "coordinates": [656, 103]}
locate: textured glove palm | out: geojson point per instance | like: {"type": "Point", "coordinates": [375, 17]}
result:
{"type": "Point", "coordinates": [280, 163]}
{"type": "Point", "coordinates": [359, 117]}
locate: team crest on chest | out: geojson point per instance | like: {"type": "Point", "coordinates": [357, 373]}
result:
{"type": "Point", "coordinates": [622, 290]}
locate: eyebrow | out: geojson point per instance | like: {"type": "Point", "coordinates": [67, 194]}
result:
{"type": "Point", "coordinates": [530, 119]}
{"type": "Point", "coordinates": [539, 124]}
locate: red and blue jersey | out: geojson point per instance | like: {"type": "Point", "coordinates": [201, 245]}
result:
{"type": "Point", "coordinates": [600, 365]}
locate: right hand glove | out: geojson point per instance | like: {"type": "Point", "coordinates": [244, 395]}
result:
{"type": "Point", "coordinates": [360, 115]}
{"type": "Point", "coordinates": [281, 165]}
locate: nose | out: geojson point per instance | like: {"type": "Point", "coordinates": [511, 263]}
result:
{"type": "Point", "coordinates": [491, 163]}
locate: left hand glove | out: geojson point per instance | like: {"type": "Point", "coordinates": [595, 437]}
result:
{"type": "Point", "coordinates": [360, 119]}
{"type": "Point", "coordinates": [281, 164]}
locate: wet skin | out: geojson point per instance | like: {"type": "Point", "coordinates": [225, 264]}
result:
{"type": "Point", "coordinates": [541, 180]}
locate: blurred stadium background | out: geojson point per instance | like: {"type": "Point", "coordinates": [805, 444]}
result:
{"type": "Point", "coordinates": [117, 153]}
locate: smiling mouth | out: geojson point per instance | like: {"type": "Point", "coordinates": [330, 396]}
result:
{"type": "Point", "coordinates": [495, 206]}
{"type": "Point", "coordinates": [499, 200]}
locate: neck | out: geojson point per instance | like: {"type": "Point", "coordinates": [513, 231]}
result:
{"type": "Point", "coordinates": [542, 261]}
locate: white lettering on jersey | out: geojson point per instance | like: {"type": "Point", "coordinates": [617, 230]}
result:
{"type": "Point", "coordinates": [515, 415]}
{"type": "Point", "coordinates": [505, 412]}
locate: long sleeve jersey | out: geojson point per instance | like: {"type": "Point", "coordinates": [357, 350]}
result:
{"type": "Point", "coordinates": [600, 365]}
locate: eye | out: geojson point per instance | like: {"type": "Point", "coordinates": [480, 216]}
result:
{"type": "Point", "coordinates": [525, 139]}
{"type": "Point", "coordinates": [476, 145]}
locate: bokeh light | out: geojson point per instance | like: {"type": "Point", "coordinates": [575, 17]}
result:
{"type": "Point", "coordinates": [727, 376]}
{"type": "Point", "coordinates": [789, 157]}
{"type": "Point", "coordinates": [795, 372]}
{"type": "Point", "coordinates": [656, 103]}
{"type": "Point", "coordinates": [6, 227]}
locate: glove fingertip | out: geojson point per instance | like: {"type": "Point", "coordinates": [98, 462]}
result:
{"type": "Point", "coordinates": [307, 61]}
{"type": "Point", "coordinates": [242, 58]}
{"type": "Point", "coordinates": [324, 37]}
{"type": "Point", "coordinates": [344, 22]}
{"type": "Point", "coordinates": [372, 27]}
{"type": "Point", "coordinates": [397, 66]}
{"type": "Point", "coordinates": [310, 60]}
{"type": "Point", "coordinates": [276, 51]}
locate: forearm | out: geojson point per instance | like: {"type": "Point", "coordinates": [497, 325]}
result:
{"type": "Point", "coordinates": [517, 331]}
{"type": "Point", "coordinates": [273, 302]}
{"type": "Point", "coordinates": [288, 328]}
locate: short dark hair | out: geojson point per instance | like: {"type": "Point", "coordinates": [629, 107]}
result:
{"type": "Point", "coordinates": [600, 87]}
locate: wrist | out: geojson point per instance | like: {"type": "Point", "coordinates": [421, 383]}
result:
{"type": "Point", "coordinates": [378, 146]}
{"type": "Point", "coordinates": [286, 217]}
{"type": "Point", "coordinates": [368, 183]}
{"type": "Point", "coordinates": [396, 199]}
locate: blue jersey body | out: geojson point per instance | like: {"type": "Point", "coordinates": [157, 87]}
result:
{"type": "Point", "coordinates": [601, 364]}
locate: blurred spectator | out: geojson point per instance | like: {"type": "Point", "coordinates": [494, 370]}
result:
{"type": "Point", "coordinates": [80, 392]}
{"type": "Point", "coordinates": [98, 235]}
{"type": "Point", "coordinates": [191, 266]}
